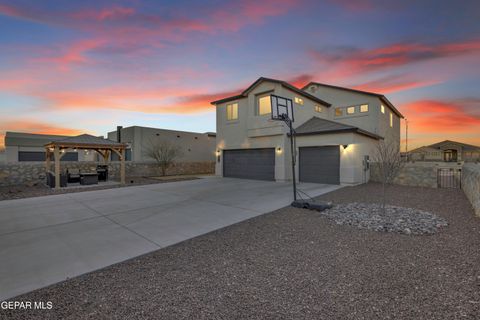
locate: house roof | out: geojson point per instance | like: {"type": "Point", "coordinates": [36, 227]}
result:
{"type": "Point", "coordinates": [378, 95]}
{"type": "Point", "coordinates": [86, 140]}
{"type": "Point", "coordinates": [322, 126]}
{"type": "Point", "coordinates": [439, 144]}
{"type": "Point", "coordinates": [287, 85]}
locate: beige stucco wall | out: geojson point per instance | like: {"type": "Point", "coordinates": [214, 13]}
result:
{"type": "Point", "coordinates": [253, 131]}
{"type": "Point", "coordinates": [195, 146]}
{"type": "Point", "coordinates": [351, 158]}
{"type": "Point", "coordinates": [373, 121]}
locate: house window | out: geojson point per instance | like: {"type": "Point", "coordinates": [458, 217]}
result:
{"type": "Point", "coordinates": [364, 108]}
{"type": "Point", "coordinates": [232, 111]}
{"type": "Point", "coordinates": [382, 108]}
{"type": "Point", "coordinates": [350, 110]}
{"type": "Point", "coordinates": [299, 101]}
{"type": "Point", "coordinates": [391, 120]}
{"type": "Point", "coordinates": [338, 112]}
{"type": "Point", "coordinates": [318, 108]}
{"type": "Point", "coordinates": [264, 105]}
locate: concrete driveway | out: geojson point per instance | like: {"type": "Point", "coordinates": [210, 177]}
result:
{"type": "Point", "coordinates": [47, 239]}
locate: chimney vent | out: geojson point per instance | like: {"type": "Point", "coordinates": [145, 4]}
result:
{"type": "Point", "coordinates": [119, 133]}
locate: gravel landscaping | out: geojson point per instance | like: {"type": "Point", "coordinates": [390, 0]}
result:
{"type": "Point", "coordinates": [394, 219]}
{"type": "Point", "coordinates": [292, 264]}
{"type": "Point", "coordinates": [38, 190]}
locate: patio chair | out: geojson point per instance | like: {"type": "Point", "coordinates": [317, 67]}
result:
{"type": "Point", "coordinates": [73, 175]}
{"type": "Point", "coordinates": [51, 179]}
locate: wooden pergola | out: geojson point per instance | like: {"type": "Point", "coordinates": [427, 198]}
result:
{"type": "Point", "coordinates": [104, 147]}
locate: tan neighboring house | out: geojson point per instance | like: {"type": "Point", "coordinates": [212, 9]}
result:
{"type": "Point", "coordinates": [337, 129]}
{"type": "Point", "coordinates": [30, 147]}
{"type": "Point", "coordinates": [195, 146]}
{"type": "Point", "coordinates": [446, 151]}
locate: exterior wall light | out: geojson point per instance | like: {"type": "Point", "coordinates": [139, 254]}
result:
{"type": "Point", "coordinates": [345, 146]}
{"type": "Point", "coordinates": [279, 150]}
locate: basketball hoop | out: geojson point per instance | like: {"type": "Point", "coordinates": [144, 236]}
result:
{"type": "Point", "coordinates": [282, 108]}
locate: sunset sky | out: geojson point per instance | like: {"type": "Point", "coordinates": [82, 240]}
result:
{"type": "Point", "coordinates": [69, 67]}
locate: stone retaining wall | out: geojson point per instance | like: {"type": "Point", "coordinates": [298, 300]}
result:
{"type": "Point", "coordinates": [34, 172]}
{"type": "Point", "coordinates": [471, 185]}
{"type": "Point", "coordinates": [410, 175]}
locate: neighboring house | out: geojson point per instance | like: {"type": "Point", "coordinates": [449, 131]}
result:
{"type": "Point", "coordinates": [21, 146]}
{"type": "Point", "coordinates": [195, 146]}
{"type": "Point", "coordinates": [337, 128]}
{"type": "Point", "coordinates": [446, 151]}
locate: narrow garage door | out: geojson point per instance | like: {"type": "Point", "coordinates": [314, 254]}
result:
{"type": "Point", "coordinates": [320, 164]}
{"type": "Point", "coordinates": [258, 164]}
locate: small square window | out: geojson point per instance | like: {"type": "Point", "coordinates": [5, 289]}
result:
{"type": "Point", "coordinates": [391, 120]}
{"type": "Point", "coordinates": [318, 108]}
{"type": "Point", "coordinates": [350, 110]}
{"type": "Point", "coordinates": [232, 111]}
{"type": "Point", "coordinates": [364, 108]}
{"type": "Point", "coordinates": [382, 108]}
{"type": "Point", "coordinates": [338, 112]}
{"type": "Point", "coordinates": [264, 105]}
{"type": "Point", "coordinates": [299, 101]}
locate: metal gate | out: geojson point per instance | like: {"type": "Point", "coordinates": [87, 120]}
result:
{"type": "Point", "coordinates": [449, 178]}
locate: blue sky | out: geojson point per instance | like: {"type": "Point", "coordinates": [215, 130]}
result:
{"type": "Point", "coordinates": [70, 67]}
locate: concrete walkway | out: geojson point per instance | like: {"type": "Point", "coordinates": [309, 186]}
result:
{"type": "Point", "coordinates": [47, 239]}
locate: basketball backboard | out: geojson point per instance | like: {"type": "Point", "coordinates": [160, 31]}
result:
{"type": "Point", "coordinates": [282, 108]}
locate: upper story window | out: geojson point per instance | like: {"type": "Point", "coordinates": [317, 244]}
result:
{"type": "Point", "coordinates": [318, 108]}
{"type": "Point", "coordinates": [391, 120]}
{"type": "Point", "coordinates": [364, 108]}
{"type": "Point", "coordinates": [232, 111]}
{"type": "Point", "coordinates": [338, 112]}
{"type": "Point", "coordinates": [264, 105]}
{"type": "Point", "coordinates": [382, 108]}
{"type": "Point", "coordinates": [299, 101]}
{"type": "Point", "coordinates": [350, 110]}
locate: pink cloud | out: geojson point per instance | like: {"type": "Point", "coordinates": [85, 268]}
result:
{"type": "Point", "coordinates": [347, 61]}
{"type": "Point", "coordinates": [391, 84]}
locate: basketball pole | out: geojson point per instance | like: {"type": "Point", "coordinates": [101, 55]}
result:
{"type": "Point", "coordinates": [292, 149]}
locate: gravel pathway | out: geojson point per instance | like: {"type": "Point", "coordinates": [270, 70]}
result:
{"type": "Point", "coordinates": [394, 219]}
{"type": "Point", "coordinates": [292, 264]}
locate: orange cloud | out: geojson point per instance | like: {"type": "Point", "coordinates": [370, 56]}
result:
{"type": "Point", "coordinates": [433, 116]}
{"type": "Point", "coordinates": [32, 126]}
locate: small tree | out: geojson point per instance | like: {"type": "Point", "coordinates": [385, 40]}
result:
{"type": "Point", "coordinates": [163, 152]}
{"type": "Point", "coordinates": [389, 161]}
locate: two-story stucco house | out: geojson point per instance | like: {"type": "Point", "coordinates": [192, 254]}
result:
{"type": "Point", "coordinates": [337, 129]}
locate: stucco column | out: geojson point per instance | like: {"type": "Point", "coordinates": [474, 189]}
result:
{"type": "Point", "coordinates": [47, 160]}
{"type": "Point", "coordinates": [57, 167]}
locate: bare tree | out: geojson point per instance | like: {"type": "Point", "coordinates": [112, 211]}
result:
{"type": "Point", "coordinates": [163, 152]}
{"type": "Point", "coordinates": [389, 161]}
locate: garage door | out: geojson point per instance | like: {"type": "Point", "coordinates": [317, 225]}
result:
{"type": "Point", "coordinates": [258, 164]}
{"type": "Point", "coordinates": [320, 164]}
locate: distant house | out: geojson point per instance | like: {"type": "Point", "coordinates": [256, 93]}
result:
{"type": "Point", "coordinates": [195, 146]}
{"type": "Point", "coordinates": [22, 147]}
{"type": "Point", "coordinates": [446, 151]}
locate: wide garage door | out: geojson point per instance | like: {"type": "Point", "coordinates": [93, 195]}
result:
{"type": "Point", "coordinates": [320, 164]}
{"type": "Point", "coordinates": [258, 164]}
